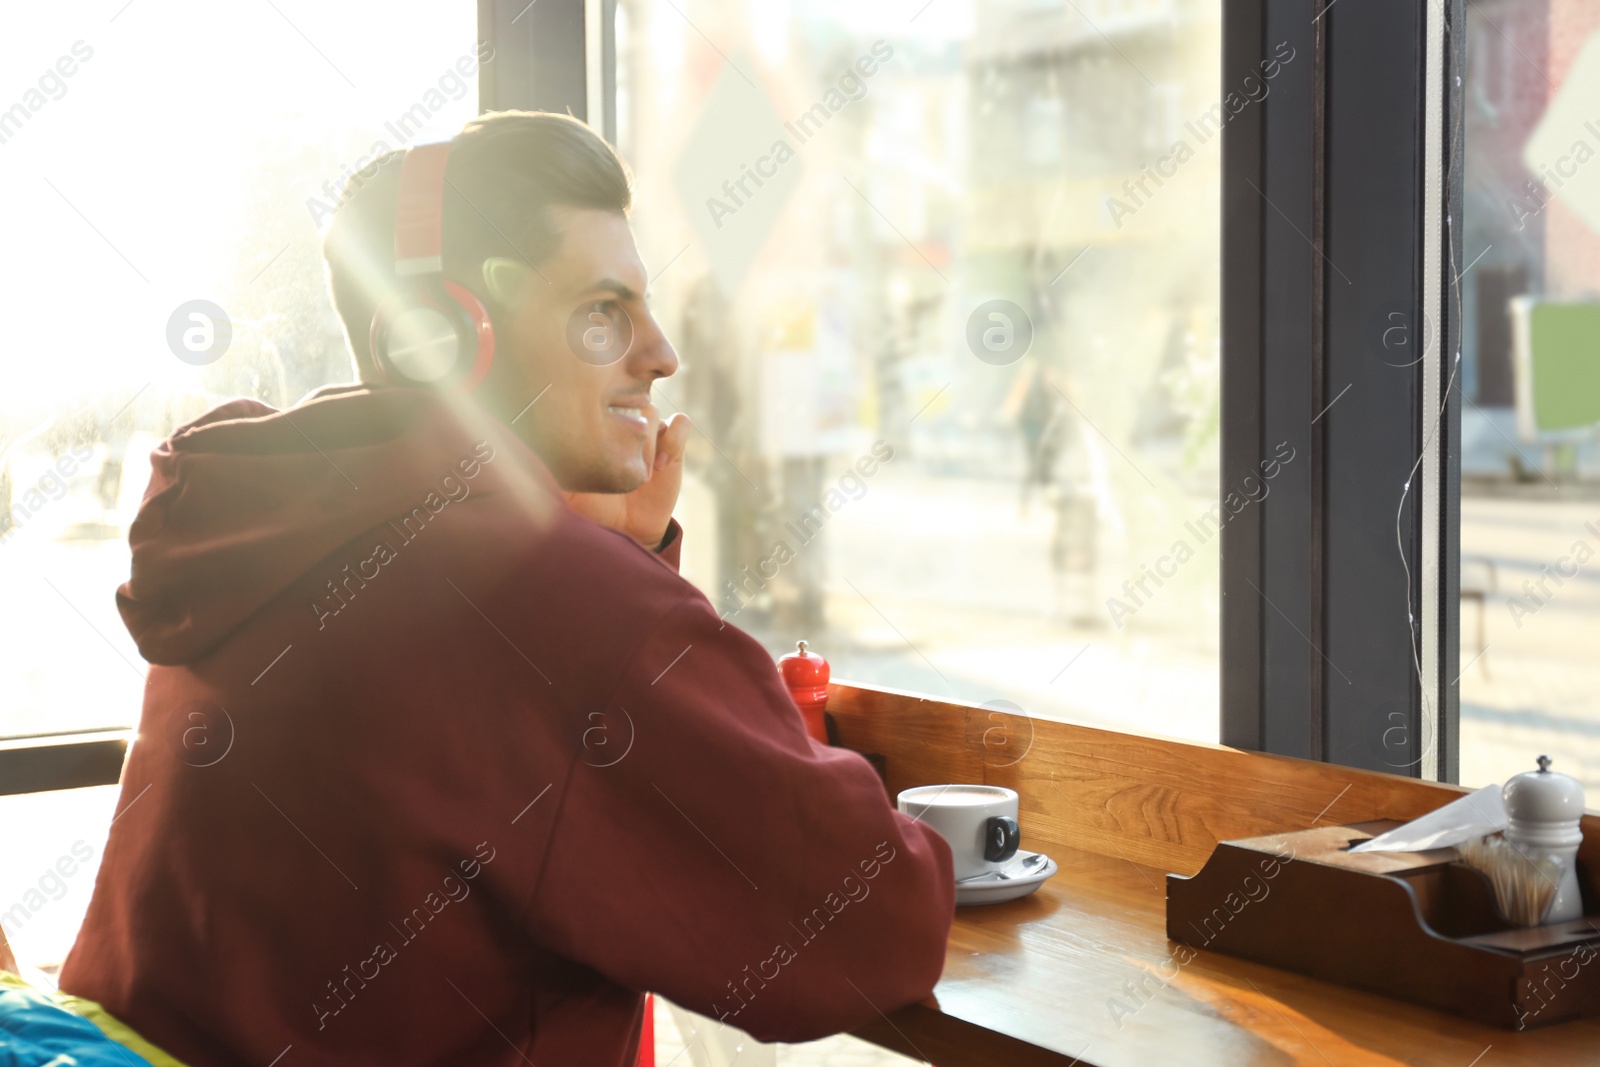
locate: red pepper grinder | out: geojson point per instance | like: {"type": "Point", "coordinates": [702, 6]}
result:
{"type": "Point", "coordinates": [806, 675]}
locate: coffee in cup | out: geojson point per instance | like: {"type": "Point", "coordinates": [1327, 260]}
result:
{"type": "Point", "coordinates": [979, 822]}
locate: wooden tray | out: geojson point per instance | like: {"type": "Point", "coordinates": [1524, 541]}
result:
{"type": "Point", "coordinates": [1417, 926]}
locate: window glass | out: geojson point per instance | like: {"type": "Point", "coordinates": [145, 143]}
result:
{"type": "Point", "coordinates": [944, 280]}
{"type": "Point", "coordinates": [54, 842]}
{"type": "Point", "coordinates": [168, 168]}
{"type": "Point", "coordinates": [1530, 383]}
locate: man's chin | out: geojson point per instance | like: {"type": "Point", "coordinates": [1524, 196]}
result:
{"type": "Point", "coordinates": [621, 476]}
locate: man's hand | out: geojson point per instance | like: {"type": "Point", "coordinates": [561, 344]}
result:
{"type": "Point", "coordinates": [644, 513]}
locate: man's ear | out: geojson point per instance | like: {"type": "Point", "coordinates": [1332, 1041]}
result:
{"type": "Point", "coordinates": [504, 278]}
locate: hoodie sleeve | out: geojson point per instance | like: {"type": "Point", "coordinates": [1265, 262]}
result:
{"type": "Point", "coordinates": [730, 863]}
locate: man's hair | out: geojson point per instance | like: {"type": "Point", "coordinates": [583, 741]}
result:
{"type": "Point", "coordinates": [507, 169]}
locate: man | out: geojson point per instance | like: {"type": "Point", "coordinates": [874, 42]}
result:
{"type": "Point", "coordinates": [440, 761]}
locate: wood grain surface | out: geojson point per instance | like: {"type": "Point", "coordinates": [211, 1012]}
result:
{"type": "Point", "coordinates": [1082, 972]}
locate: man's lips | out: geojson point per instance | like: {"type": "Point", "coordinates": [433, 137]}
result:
{"type": "Point", "coordinates": [636, 411]}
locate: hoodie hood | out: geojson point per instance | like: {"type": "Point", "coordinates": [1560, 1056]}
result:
{"type": "Point", "coordinates": [245, 499]}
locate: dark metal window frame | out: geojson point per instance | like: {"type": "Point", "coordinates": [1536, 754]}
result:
{"type": "Point", "coordinates": [1324, 331]}
{"type": "Point", "coordinates": [38, 763]}
{"type": "Point", "coordinates": [540, 58]}
{"type": "Point", "coordinates": [1323, 202]}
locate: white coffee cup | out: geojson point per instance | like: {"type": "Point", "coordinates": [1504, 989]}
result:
{"type": "Point", "coordinates": [979, 821]}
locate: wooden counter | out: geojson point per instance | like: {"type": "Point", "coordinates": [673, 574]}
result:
{"type": "Point", "coordinates": [1081, 972]}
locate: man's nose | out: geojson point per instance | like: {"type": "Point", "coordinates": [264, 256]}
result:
{"type": "Point", "coordinates": [653, 355]}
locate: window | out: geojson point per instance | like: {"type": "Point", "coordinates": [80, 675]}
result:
{"type": "Point", "coordinates": [169, 167]}
{"type": "Point", "coordinates": [54, 842]}
{"type": "Point", "coordinates": [945, 287]}
{"type": "Point", "coordinates": [1530, 515]}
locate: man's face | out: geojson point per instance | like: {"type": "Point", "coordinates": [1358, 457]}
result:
{"type": "Point", "coordinates": [593, 422]}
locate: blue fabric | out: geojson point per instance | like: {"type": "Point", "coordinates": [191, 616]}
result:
{"type": "Point", "coordinates": [37, 1032]}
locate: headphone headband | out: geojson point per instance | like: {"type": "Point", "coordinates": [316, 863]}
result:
{"type": "Point", "coordinates": [419, 210]}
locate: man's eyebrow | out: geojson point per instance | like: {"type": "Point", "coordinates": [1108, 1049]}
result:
{"type": "Point", "coordinates": [612, 285]}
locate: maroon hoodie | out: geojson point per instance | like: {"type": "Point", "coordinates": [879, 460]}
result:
{"type": "Point", "coordinates": [432, 770]}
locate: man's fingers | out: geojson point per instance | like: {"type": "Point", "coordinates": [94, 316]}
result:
{"type": "Point", "coordinates": [672, 439]}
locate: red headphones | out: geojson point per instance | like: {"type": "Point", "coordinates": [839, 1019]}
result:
{"type": "Point", "coordinates": [433, 332]}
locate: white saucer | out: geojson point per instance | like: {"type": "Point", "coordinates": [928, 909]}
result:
{"type": "Point", "coordinates": [993, 889]}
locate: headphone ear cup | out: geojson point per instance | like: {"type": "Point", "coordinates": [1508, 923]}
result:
{"type": "Point", "coordinates": [434, 334]}
{"type": "Point", "coordinates": [480, 329]}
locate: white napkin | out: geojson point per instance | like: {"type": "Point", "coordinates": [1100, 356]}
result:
{"type": "Point", "coordinates": [1474, 815]}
